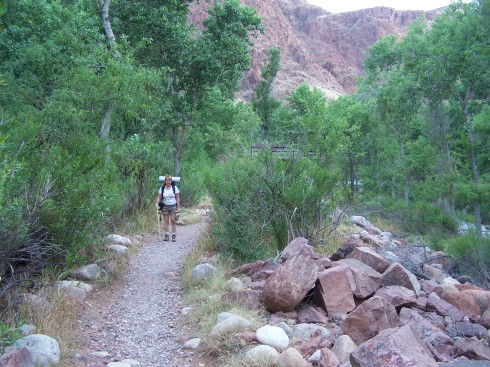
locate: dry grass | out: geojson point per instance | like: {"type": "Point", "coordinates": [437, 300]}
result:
{"type": "Point", "coordinates": [337, 237]}
{"type": "Point", "coordinates": [206, 298]}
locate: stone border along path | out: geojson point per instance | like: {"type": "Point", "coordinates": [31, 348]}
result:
{"type": "Point", "coordinates": [140, 318]}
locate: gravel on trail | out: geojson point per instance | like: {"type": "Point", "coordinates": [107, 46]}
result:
{"type": "Point", "coordinates": [140, 317]}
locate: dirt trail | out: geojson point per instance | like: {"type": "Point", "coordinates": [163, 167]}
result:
{"type": "Point", "coordinates": [139, 317]}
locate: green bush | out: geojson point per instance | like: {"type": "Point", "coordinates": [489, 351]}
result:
{"type": "Point", "coordinates": [261, 203]}
{"type": "Point", "coordinates": [423, 218]}
{"type": "Point", "coordinates": [472, 255]}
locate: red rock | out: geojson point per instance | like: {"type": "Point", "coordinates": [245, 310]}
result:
{"type": "Point", "coordinates": [368, 256]}
{"type": "Point", "coordinates": [367, 320]}
{"type": "Point", "coordinates": [367, 279]}
{"type": "Point", "coordinates": [299, 246]}
{"type": "Point", "coordinates": [394, 347]}
{"type": "Point", "coordinates": [248, 298]}
{"type": "Point", "coordinates": [286, 288]}
{"type": "Point", "coordinates": [334, 290]}
{"type": "Point", "coordinates": [397, 296]}
{"type": "Point", "coordinates": [396, 274]}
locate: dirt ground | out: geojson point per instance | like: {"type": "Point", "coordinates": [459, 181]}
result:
{"type": "Point", "coordinates": [138, 316]}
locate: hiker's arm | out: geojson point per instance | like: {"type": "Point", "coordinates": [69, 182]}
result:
{"type": "Point", "coordinates": [159, 198]}
{"type": "Point", "coordinates": [177, 197]}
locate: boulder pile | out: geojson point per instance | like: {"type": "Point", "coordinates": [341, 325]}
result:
{"type": "Point", "coordinates": [375, 302]}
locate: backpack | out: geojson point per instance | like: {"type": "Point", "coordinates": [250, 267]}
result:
{"type": "Point", "coordinates": [177, 179]}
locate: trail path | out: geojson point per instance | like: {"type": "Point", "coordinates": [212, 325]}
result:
{"type": "Point", "coordinates": [139, 317]}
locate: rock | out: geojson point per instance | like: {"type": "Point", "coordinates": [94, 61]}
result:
{"type": "Point", "coordinates": [287, 329]}
{"type": "Point", "coordinates": [287, 287]}
{"type": "Point", "coordinates": [16, 357]}
{"type": "Point", "coordinates": [118, 364]}
{"type": "Point", "coordinates": [393, 347]}
{"type": "Point", "coordinates": [429, 286]}
{"type": "Point", "coordinates": [373, 240]}
{"type": "Point", "coordinates": [334, 290]}
{"type": "Point", "coordinates": [250, 299]}
{"type": "Point", "coordinates": [437, 304]}
{"type": "Point", "coordinates": [472, 349]}
{"type": "Point", "coordinates": [291, 358]}
{"type": "Point", "coordinates": [468, 302]}
{"type": "Point", "coordinates": [371, 258]}
{"type": "Point", "coordinates": [366, 279]}
{"type": "Point", "coordinates": [361, 221]}
{"type": "Point", "coordinates": [427, 332]}
{"type": "Point", "coordinates": [44, 350]}
{"type": "Point", "coordinates": [258, 270]}
{"type": "Point", "coordinates": [118, 250]}
{"type": "Point", "coordinates": [328, 358]}
{"type": "Point", "coordinates": [396, 274]}
{"type": "Point", "coordinates": [74, 288]}
{"type": "Point", "coordinates": [203, 271]}
{"type": "Point", "coordinates": [234, 284]}
{"type": "Point", "coordinates": [464, 362]}
{"type": "Point", "coordinates": [261, 355]}
{"type": "Point", "coordinates": [315, 357]}
{"type": "Point", "coordinates": [273, 336]}
{"type": "Point", "coordinates": [343, 348]}
{"type": "Point", "coordinates": [186, 310]}
{"type": "Point", "coordinates": [192, 343]}
{"type": "Point", "coordinates": [371, 317]}
{"type": "Point", "coordinates": [119, 240]}
{"type": "Point", "coordinates": [310, 314]}
{"type": "Point", "coordinates": [231, 324]}
{"type": "Point", "coordinates": [306, 331]}
{"type": "Point", "coordinates": [346, 248]}
{"type": "Point", "coordinates": [88, 272]}
{"type": "Point", "coordinates": [299, 246]}
{"type": "Point", "coordinates": [397, 295]}
{"type": "Point", "coordinates": [470, 330]}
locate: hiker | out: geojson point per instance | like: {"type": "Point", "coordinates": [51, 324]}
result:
{"type": "Point", "coordinates": [168, 202]}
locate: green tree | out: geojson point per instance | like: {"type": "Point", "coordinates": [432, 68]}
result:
{"type": "Point", "coordinates": [264, 103]}
{"type": "Point", "coordinates": [459, 69]}
{"type": "Point", "coordinates": [195, 63]}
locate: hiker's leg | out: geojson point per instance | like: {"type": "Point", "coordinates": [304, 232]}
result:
{"type": "Point", "coordinates": [166, 222]}
{"type": "Point", "coordinates": [174, 223]}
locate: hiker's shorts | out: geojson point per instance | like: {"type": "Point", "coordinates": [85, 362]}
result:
{"type": "Point", "coordinates": [169, 210]}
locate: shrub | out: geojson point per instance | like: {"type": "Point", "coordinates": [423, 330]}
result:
{"type": "Point", "coordinates": [263, 202]}
{"type": "Point", "coordinates": [472, 255]}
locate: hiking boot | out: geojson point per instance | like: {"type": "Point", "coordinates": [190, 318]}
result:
{"type": "Point", "coordinates": [166, 237]}
{"type": "Point", "coordinates": [174, 237]}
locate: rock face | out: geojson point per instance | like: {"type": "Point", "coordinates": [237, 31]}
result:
{"type": "Point", "coordinates": [317, 48]}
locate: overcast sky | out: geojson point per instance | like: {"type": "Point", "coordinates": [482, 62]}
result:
{"type": "Point", "coordinates": [336, 6]}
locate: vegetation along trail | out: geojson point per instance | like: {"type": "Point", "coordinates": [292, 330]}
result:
{"type": "Point", "coordinates": [139, 319]}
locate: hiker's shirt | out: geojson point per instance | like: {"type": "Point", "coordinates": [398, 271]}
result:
{"type": "Point", "coordinates": [168, 196]}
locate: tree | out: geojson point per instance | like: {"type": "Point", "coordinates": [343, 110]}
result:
{"type": "Point", "coordinates": [459, 68]}
{"type": "Point", "coordinates": [195, 63]}
{"type": "Point", "coordinates": [263, 103]}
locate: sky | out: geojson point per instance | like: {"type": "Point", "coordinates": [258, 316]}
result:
{"type": "Point", "coordinates": [336, 6]}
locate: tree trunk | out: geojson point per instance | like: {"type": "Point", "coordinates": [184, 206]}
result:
{"type": "Point", "coordinates": [352, 175]}
{"type": "Point", "coordinates": [106, 128]}
{"type": "Point", "coordinates": [178, 144]}
{"type": "Point", "coordinates": [407, 190]}
{"type": "Point", "coordinates": [473, 164]}
{"type": "Point", "coordinates": [111, 44]}
{"type": "Point", "coordinates": [109, 34]}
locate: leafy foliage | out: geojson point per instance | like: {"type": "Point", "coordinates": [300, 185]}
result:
{"type": "Point", "coordinates": [263, 202]}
